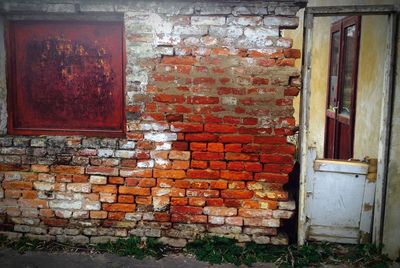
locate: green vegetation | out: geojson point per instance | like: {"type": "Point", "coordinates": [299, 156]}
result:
{"type": "Point", "coordinates": [218, 250]}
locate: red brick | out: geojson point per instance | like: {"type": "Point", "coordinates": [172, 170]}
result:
{"type": "Point", "coordinates": [21, 185]}
{"type": "Point", "coordinates": [213, 128]}
{"type": "Point", "coordinates": [116, 216]}
{"type": "Point", "coordinates": [271, 168]}
{"type": "Point", "coordinates": [189, 218]}
{"type": "Point", "coordinates": [276, 159]}
{"type": "Point", "coordinates": [14, 167]}
{"type": "Point", "coordinates": [203, 100]}
{"type": "Point", "coordinates": [15, 194]}
{"type": "Point", "coordinates": [232, 120]}
{"type": "Point", "coordinates": [218, 185]}
{"type": "Point", "coordinates": [197, 201]}
{"type": "Point", "coordinates": [119, 207]}
{"type": "Point", "coordinates": [217, 165]}
{"type": "Point", "coordinates": [292, 91]}
{"type": "Point", "coordinates": [236, 166]}
{"type": "Point", "coordinates": [213, 119]}
{"type": "Point", "coordinates": [180, 164]}
{"type": "Point", "coordinates": [179, 201]}
{"type": "Point", "coordinates": [220, 211]}
{"type": "Point", "coordinates": [260, 81]}
{"type": "Point", "coordinates": [250, 121]}
{"type": "Point", "coordinates": [46, 212]}
{"type": "Point", "coordinates": [207, 156]}
{"type": "Point", "coordinates": [199, 185]}
{"type": "Point", "coordinates": [236, 175]}
{"type": "Point", "coordinates": [147, 182]}
{"type": "Point", "coordinates": [186, 210]}
{"type": "Point", "coordinates": [186, 127]}
{"type": "Point", "coordinates": [237, 185]}
{"type": "Point", "coordinates": [238, 221]}
{"type": "Point", "coordinates": [29, 194]}
{"type": "Point", "coordinates": [178, 60]}
{"type": "Point", "coordinates": [199, 164]}
{"type": "Point", "coordinates": [80, 178]}
{"type": "Point", "coordinates": [116, 180]}
{"type": "Point", "coordinates": [143, 200]}
{"type": "Point", "coordinates": [201, 137]}
{"type": "Point", "coordinates": [255, 167]}
{"type": "Point", "coordinates": [202, 174]}
{"type": "Point", "coordinates": [174, 117]}
{"type": "Point", "coordinates": [128, 163]}
{"type": "Point", "coordinates": [271, 177]}
{"type": "Point", "coordinates": [104, 189]}
{"type": "Point", "coordinates": [204, 80]}
{"type": "Point", "coordinates": [163, 77]}
{"type": "Point", "coordinates": [67, 169]}
{"type": "Point", "coordinates": [270, 140]}
{"type": "Point", "coordinates": [235, 139]}
{"type": "Point", "coordinates": [286, 62]}
{"type": "Point", "coordinates": [133, 191]}
{"type": "Point", "coordinates": [180, 145]}
{"type": "Point", "coordinates": [55, 222]}
{"type": "Point", "coordinates": [215, 147]}
{"type": "Point", "coordinates": [237, 194]}
{"type": "Point", "coordinates": [198, 146]}
{"type": "Point", "coordinates": [255, 213]}
{"type": "Point", "coordinates": [102, 170]}
{"type": "Point", "coordinates": [183, 184]}
{"type": "Point", "coordinates": [125, 198]}
{"type": "Point", "coordinates": [241, 157]}
{"type": "Point", "coordinates": [251, 148]}
{"type": "Point", "coordinates": [169, 98]}
{"type": "Point", "coordinates": [215, 202]}
{"type": "Point", "coordinates": [233, 148]}
{"type": "Point", "coordinates": [233, 203]}
{"type": "Point", "coordinates": [33, 203]}
{"type": "Point", "coordinates": [162, 217]}
{"type": "Point", "coordinates": [266, 62]}
{"type": "Point", "coordinates": [132, 181]}
{"type": "Point", "coordinates": [172, 174]}
{"type": "Point", "coordinates": [250, 204]}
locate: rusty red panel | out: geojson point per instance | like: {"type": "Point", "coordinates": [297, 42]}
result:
{"type": "Point", "coordinates": [66, 77]}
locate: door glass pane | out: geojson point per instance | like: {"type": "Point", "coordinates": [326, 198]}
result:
{"type": "Point", "coordinates": [349, 50]}
{"type": "Point", "coordinates": [334, 70]}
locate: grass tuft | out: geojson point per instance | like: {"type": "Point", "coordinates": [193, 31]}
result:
{"type": "Point", "coordinates": [217, 250]}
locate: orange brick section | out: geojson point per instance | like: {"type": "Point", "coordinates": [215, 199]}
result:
{"type": "Point", "coordinates": [209, 106]}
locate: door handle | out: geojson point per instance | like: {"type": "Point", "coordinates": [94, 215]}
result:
{"type": "Point", "coordinates": [335, 108]}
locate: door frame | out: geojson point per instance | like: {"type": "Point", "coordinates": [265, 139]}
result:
{"type": "Point", "coordinates": [386, 111]}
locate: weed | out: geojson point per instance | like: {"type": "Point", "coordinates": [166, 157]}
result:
{"type": "Point", "coordinates": [217, 250]}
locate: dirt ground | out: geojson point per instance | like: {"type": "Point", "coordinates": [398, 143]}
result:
{"type": "Point", "coordinates": [11, 258]}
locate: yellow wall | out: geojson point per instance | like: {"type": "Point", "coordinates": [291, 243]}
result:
{"type": "Point", "coordinates": [369, 91]}
{"type": "Point", "coordinates": [374, 31]}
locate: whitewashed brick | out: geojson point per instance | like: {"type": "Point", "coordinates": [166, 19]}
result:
{"type": "Point", "coordinates": [208, 20]}
{"type": "Point", "coordinates": [94, 179]}
{"type": "Point", "coordinates": [65, 204]}
{"type": "Point", "coordinates": [160, 137]}
{"type": "Point", "coordinates": [79, 187]}
{"type": "Point", "coordinates": [105, 152]}
{"type": "Point", "coordinates": [43, 186]}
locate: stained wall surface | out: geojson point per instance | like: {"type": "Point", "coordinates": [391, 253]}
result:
{"type": "Point", "coordinates": [209, 106]}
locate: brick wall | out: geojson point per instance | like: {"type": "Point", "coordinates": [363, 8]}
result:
{"type": "Point", "coordinates": [209, 107]}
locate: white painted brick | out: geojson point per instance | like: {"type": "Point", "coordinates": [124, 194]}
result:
{"type": "Point", "coordinates": [145, 163]}
{"type": "Point", "coordinates": [79, 187]}
{"type": "Point", "coordinates": [65, 204]}
{"type": "Point", "coordinates": [46, 177]}
{"type": "Point", "coordinates": [245, 20]}
{"type": "Point", "coordinates": [43, 186]}
{"type": "Point", "coordinates": [216, 220]}
{"type": "Point", "coordinates": [208, 20]}
{"type": "Point", "coordinates": [230, 31]}
{"type": "Point", "coordinates": [282, 22]}
{"type": "Point", "coordinates": [190, 30]}
{"type": "Point", "coordinates": [229, 101]}
{"type": "Point", "coordinates": [165, 146]}
{"type": "Point", "coordinates": [124, 154]}
{"type": "Point", "coordinates": [126, 144]}
{"type": "Point", "coordinates": [98, 179]}
{"type": "Point", "coordinates": [214, 10]}
{"type": "Point", "coordinates": [105, 152]}
{"type": "Point", "coordinates": [160, 137]}
{"type": "Point", "coordinates": [260, 32]}
{"type": "Point", "coordinates": [63, 213]}
{"type": "Point", "coordinates": [91, 205]}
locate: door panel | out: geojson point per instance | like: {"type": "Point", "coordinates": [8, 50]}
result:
{"type": "Point", "coordinates": [342, 83]}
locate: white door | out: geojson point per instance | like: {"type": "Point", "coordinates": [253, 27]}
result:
{"type": "Point", "coordinates": [339, 202]}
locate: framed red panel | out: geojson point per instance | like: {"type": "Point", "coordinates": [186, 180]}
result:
{"type": "Point", "coordinates": [66, 78]}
